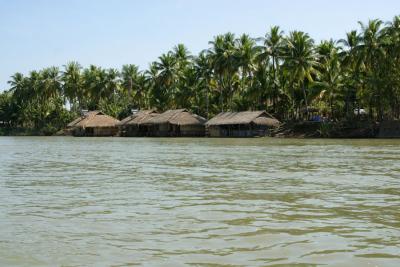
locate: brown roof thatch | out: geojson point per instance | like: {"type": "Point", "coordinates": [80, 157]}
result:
{"type": "Point", "coordinates": [93, 119]}
{"type": "Point", "coordinates": [244, 117]}
{"type": "Point", "coordinates": [138, 117]}
{"type": "Point", "coordinates": [79, 119]}
{"type": "Point", "coordinates": [177, 117]}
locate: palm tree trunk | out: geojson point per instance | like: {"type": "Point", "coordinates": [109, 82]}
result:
{"type": "Point", "coordinates": [305, 99]}
{"type": "Point", "coordinates": [293, 104]}
{"type": "Point", "coordinates": [207, 101]}
{"type": "Point", "coordinates": [274, 93]}
{"type": "Point", "coordinates": [221, 101]}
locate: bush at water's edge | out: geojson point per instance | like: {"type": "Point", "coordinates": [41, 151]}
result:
{"type": "Point", "coordinates": [10, 131]}
{"type": "Point", "coordinates": [342, 129]}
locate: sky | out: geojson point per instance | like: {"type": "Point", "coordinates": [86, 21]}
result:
{"type": "Point", "coordinates": [40, 33]}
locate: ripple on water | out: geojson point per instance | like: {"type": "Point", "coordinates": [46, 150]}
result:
{"type": "Point", "coordinates": [200, 202]}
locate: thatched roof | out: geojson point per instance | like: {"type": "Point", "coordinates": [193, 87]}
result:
{"type": "Point", "coordinates": [94, 119]}
{"type": "Point", "coordinates": [244, 117]}
{"type": "Point", "coordinates": [79, 119]}
{"type": "Point", "coordinates": [138, 117]}
{"type": "Point", "coordinates": [177, 117]}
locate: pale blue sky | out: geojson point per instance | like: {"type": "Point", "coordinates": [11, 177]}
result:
{"type": "Point", "coordinates": [40, 33]}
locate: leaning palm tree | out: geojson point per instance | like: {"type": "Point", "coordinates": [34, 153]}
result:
{"type": "Point", "coordinates": [18, 87]}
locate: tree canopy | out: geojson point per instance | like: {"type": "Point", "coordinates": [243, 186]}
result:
{"type": "Point", "coordinates": [285, 74]}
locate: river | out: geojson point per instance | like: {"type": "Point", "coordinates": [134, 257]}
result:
{"type": "Point", "coordinates": [68, 201]}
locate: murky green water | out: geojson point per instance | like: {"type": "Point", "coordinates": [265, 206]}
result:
{"type": "Point", "coordinates": [199, 202]}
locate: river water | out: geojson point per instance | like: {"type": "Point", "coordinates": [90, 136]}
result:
{"type": "Point", "coordinates": [68, 201]}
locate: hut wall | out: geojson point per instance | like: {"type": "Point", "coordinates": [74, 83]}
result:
{"type": "Point", "coordinates": [123, 131]}
{"type": "Point", "coordinates": [78, 131]}
{"type": "Point", "coordinates": [143, 130]}
{"type": "Point", "coordinates": [170, 130]}
{"type": "Point", "coordinates": [134, 131]}
{"type": "Point", "coordinates": [192, 130]}
{"type": "Point", "coordinates": [102, 131]}
{"type": "Point", "coordinates": [237, 130]}
{"type": "Point", "coordinates": [214, 131]}
{"type": "Point", "coordinates": [159, 130]}
{"type": "Point", "coordinates": [162, 130]}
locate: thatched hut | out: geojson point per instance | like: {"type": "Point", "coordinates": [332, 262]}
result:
{"type": "Point", "coordinates": [94, 123]}
{"type": "Point", "coordinates": [241, 124]}
{"type": "Point", "coordinates": [134, 125]}
{"type": "Point", "coordinates": [178, 122]}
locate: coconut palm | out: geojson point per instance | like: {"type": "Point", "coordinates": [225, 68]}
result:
{"type": "Point", "coordinates": [129, 76]}
{"type": "Point", "coordinates": [330, 84]}
{"type": "Point", "coordinates": [246, 53]}
{"type": "Point", "coordinates": [72, 84]}
{"type": "Point", "coordinates": [204, 75]}
{"type": "Point", "coordinates": [272, 49]}
{"type": "Point", "coordinates": [167, 78]}
{"type": "Point", "coordinates": [372, 53]}
{"type": "Point", "coordinates": [300, 59]}
{"type": "Point", "coordinates": [222, 55]}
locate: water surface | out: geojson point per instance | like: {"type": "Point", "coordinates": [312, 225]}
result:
{"type": "Point", "coordinates": [199, 202]}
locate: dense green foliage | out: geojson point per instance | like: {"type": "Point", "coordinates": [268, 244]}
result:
{"type": "Point", "coordinates": [284, 74]}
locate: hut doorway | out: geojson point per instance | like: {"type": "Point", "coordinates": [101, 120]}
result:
{"type": "Point", "coordinates": [89, 131]}
{"type": "Point", "coordinates": [175, 130]}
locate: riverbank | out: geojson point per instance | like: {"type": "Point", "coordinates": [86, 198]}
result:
{"type": "Point", "coordinates": [306, 129]}
{"type": "Point", "coordinates": [10, 131]}
{"type": "Point", "coordinates": [344, 129]}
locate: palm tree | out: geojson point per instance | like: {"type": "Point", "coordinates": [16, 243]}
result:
{"type": "Point", "coordinates": [222, 55]}
{"type": "Point", "coordinates": [246, 53]}
{"type": "Point", "coordinates": [350, 65]}
{"type": "Point", "coordinates": [204, 74]}
{"type": "Point", "coordinates": [273, 48]}
{"type": "Point", "coordinates": [51, 83]}
{"type": "Point", "coordinates": [181, 55]}
{"type": "Point", "coordinates": [372, 53]}
{"type": "Point", "coordinates": [392, 46]}
{"type": "Point", "coordinates": [141, 91]}
{"type": "Point", "coordinates": [300, 59]}
{"type": "Point", "coordinates": [167, 77]}
{"type": "Point", "coordinates": [184, 82]}
{"type": "Point", "coordinates": [72, 84]}
{"type": "Point", "coordinates": [18, 87]}
{"type": "Point", "coordinates": [151, 79]}
{"type": "Point", "coordinates": [129, 75]}
{"type": "Point", "coordinates": [94, 86]}
{"type": "Point", "coordinates": [112, 83]}
{"type": "Point", "coordinates": [330, 83]}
